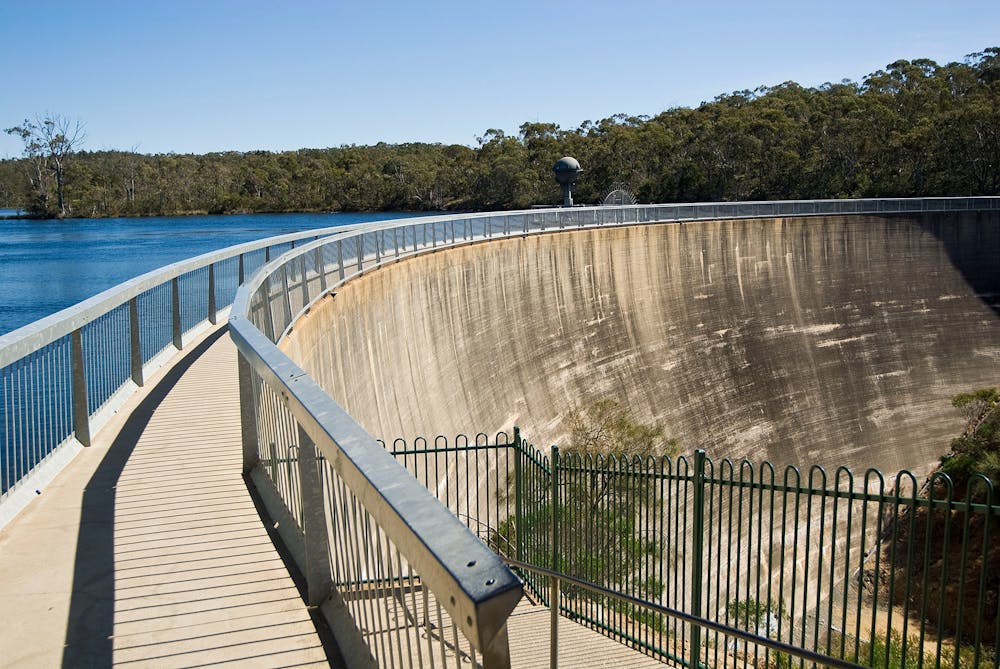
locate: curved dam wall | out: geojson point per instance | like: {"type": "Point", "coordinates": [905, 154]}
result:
{"type": "Point", "coordinates": [820, 340]}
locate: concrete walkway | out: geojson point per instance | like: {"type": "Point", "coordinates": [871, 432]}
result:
{"type": "Point", "coordinates": [147, 551]}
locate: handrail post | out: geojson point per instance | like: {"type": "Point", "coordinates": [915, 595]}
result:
{"type": "Point", "coordinates": [317, 566]}
{"type": "Point", "coordinates": [286, 299]}
{"type": "Point", "coordinates": [320, 262]}
{"type": "Point", "coordinates": [240, 272]}
{"type": "Point", "coordinates": [135, 342]}
{"type": "Point", "coordinates": [518, 498]}
{"type": "Point", "coordinates": [267, 307]}
{"type": "Point", "coordinates": [212, 311]}
{"type": "Point", "coordinates": [81, 412]}
{"type": "Point", "coordinates": [497, 654]}
{"type": "Point", "coordinates": [248, 414]}
{"type": "Point", "coordinates": [697, 548]}
{"type": "Point", "coordinates": [554, 565]}
{"type": "Point", "coordinates": [305, 281]}
{"type": "Point", "coordinates": [175, 312]}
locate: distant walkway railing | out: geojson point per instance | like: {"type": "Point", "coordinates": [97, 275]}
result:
{"type": "Point", "coordinates": [358, 526]}
{"type": "Point", "coordinates": [699, 563]}
{"type": "Point", "coordinates": [63, 376]}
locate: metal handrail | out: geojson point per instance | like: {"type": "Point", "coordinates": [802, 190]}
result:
{"type": "Point", "coordinates": [64, 375]}
{"type": "Point", "coordinates": [826, 559]}
{"type": "Point", "coordinates": [470, 580]}
{"type": "Point", "coordinates": [59, 388]}
{"type": "Point", "coordinates": [33, 336]}
{"type": "Point", "coordinates": [274, 387]}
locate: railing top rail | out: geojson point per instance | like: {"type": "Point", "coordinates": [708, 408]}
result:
{"type": "Point", "coordinates": [448, 556]}
{"type": "Point", "coordinates": [468, 578]}
{"type": "Point", "coordinates": [33, 336]}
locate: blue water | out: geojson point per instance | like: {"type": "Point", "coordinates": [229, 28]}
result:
{"type": "Point", "coordinates": [46, 266]}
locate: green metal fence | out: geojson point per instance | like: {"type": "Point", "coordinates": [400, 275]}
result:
{"type": "Point", "coordinates": [727, 563]}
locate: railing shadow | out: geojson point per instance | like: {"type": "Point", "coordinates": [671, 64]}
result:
{"type": "Point", "coordinates": [90, 627]}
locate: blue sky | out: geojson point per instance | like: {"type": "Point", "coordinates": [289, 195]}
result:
{"type": "Point", "coordinates": [198, 76]}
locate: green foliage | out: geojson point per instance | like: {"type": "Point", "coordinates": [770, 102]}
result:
{"type": "Point", "coordinates": [889, 653]}
{"type": "Point", "coordinates": [977, 449]}
{"type": "Point", "coordinates": [915, 128]}
{"type": "Point", "coordinates": [49, 141]}
{"type": "Point", "coordinates": [753, 615]}
{"type": "Point", "coordinates": [607, 428]}
{"type": "Point", "coordinates": [607, 512]}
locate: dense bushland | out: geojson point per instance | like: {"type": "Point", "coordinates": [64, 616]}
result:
{"type": "Point", "coordinates": [915, 128]}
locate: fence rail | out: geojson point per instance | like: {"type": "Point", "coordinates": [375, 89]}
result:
{"type": "Point", "coordinates": [733, 563]}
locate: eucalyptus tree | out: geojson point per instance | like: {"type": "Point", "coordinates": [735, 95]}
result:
{"type": "Point", "coordinates": [49, 142]}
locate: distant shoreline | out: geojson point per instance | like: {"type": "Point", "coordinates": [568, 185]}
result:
{"type": "Point", "coordinates": [184, 214]}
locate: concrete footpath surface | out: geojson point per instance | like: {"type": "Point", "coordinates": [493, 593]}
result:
{"type": "Point", "coordinates": [147, 551]}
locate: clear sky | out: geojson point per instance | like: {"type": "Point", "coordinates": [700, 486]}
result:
{"type": "Point", "coordinates": [213, 75]}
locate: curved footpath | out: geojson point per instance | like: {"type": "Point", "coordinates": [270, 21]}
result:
{"type": "Point", "coordinates": [148, 550]}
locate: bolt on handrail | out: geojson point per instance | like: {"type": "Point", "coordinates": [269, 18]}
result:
{"type": "Point", "coordinates": [285, 413]}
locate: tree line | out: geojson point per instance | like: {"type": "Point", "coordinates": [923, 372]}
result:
{"type": "Point", "coordinates": [915, 128]}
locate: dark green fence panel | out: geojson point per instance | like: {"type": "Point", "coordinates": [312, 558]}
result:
{"type": "Point", "coordinates": [867, 570]}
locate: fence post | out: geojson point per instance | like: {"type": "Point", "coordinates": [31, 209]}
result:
{"type": "Point", "coordinates": [286, 299]}
{"type": "Point", "coordinates": [305, 281]}
{"type": "Point", "coordinates": [135, 342]}
{"type": "Point", "coordinates": [518, 502]}
{"type": "Point", "coordinates": [175, 311]}
{"type": "Point", "coordinates": [554, 565]}
{"type": "Point", "coordinates": [321, 268]}
{"type": "Point", "coordinates": [81, 412]}
{"type": "Point", "coordinates": [248, 414]}
{"type": "Point", "coordinates": [212, 311]}
{"type": "Point", "coordinates": [697, 548]}
{"type": "Point", "coordinates": [317, 566]}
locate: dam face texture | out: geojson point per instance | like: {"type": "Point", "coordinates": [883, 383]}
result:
{"type": "Point", "coordinates": [831, 341]}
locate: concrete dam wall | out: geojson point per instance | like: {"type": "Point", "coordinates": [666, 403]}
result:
{"type": "Point", "coordinates": [832, 341]}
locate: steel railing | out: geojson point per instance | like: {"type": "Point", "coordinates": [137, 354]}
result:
{"type": "Point", "coordinates": [339, 504]}
{"type": "Point", "coordinates": [733, 563]}
{"type": "Point", "coordinates": [63, 376]}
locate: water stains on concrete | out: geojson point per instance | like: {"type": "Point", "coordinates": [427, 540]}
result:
{"type": "Point", "coordinates": [835, 340]}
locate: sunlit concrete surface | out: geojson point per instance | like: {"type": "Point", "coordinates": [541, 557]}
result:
{"type": "Point", "coordinates": [147, 551]}
{"type": "Point", "coordinates": [831, 340]}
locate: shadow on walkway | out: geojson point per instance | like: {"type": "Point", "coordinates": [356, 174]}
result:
{"type": "Point", "coordinates": [91, 621]}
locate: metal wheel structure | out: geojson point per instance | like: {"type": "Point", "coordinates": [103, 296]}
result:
{"type": "Point", "coordinates": [619, 194]}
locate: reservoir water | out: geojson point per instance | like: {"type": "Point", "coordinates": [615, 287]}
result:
{"type": "Point", "coordinates": [46, 266]}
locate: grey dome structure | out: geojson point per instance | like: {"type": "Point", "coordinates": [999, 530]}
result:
{"type": "Point", "coordinates": [567, 171]}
